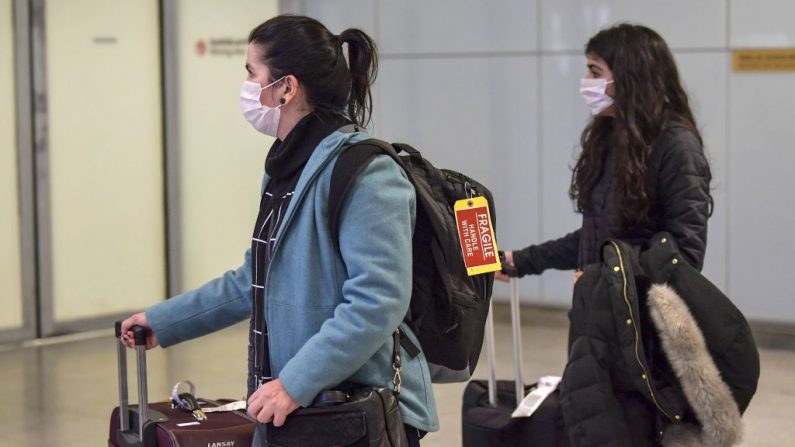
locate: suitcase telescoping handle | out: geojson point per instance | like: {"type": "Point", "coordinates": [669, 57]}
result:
{"type": "Point", "coordinates": [143, 403]}
{"type": "Point", "coordinates": [516, 328]}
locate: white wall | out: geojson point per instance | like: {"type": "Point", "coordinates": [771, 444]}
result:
{"type": "Point", "coordinates": [490, 88]}
{"type": "Point", "coordinates": [761, 156]}
{"type": "Point", "coordinates": [221, 158]}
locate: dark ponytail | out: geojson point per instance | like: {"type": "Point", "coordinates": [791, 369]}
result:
{"type": "Point", "coordinates": [303, 47]}
{"type": "Point", "coordinates": [363, 62]}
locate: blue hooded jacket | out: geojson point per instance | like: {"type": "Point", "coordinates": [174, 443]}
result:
{"type": "Point", "coordinates": [330, 314]}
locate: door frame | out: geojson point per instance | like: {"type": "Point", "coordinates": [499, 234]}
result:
{"type": "Point", "coordinates": [26, 192]}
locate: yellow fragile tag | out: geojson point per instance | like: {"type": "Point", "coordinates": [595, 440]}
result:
{"type": "Point", "coordinates": [476, 234]}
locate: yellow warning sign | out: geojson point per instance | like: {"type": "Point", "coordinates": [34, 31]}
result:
{"type": "Point", "coordinates": [764, 60]}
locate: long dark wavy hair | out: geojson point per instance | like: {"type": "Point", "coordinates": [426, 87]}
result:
{"type": "Point", "coordinates": [648, 97]}
{"type": "Point", "coordinates": [303, 47]}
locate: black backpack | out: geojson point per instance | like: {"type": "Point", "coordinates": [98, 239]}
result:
{"type": "Point", "coordinates": [448, 308]}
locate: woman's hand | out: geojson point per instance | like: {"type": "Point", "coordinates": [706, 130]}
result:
{"type": "Point", "coordinates": [127, 337]}
{"type": "Point", "coordinates": [507, 262]}
{"type": "Point", "coordinates": [271, 402]}
{"type": "Point", "coordinates": [577, 275]}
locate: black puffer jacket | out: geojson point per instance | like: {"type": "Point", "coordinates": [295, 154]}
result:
{"type": "Point", "coordinates": [679, 176]}
{"type": "Point", "coordinates": [657, 354]}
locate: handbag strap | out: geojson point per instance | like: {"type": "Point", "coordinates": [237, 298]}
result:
{"type": "Point", "coordinates": [396, 380]}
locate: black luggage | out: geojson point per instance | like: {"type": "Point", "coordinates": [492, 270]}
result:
{"type": "Point", "coordinates": [159, 425]}
{"type": "Point", "coordinates": [487, 407]}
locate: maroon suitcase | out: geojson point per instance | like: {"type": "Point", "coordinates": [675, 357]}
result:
{"type": "Point", "coordinates": [158, 425]}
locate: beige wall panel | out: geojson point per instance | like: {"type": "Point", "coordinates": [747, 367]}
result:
{"type": "Point", "coordinates": [106, 163]}
{"type": "Point", "coordinates": [221, 156]}
{"type": "Point", "coordinates": [10, 279]}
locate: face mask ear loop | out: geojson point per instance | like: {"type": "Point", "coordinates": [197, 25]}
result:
{"type": "Point", "coordinates": [272, 83]}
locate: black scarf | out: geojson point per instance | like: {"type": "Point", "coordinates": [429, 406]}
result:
{"type": "Point", "coordinates": [286, 159]}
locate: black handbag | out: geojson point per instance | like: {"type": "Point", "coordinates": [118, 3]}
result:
{"type": "Point", "coordinates": [367, 417]}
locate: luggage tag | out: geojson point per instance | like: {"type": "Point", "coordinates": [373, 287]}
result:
{"type": "Point", "coordinates": [546, 386]}
{"type": "Point", "coordinates": [476, 233]}
{"type": "Point", "coordinates": [232, 406]}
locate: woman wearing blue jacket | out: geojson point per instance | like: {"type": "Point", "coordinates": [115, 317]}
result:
{"type": "Point", "coordinates": [330, 313]}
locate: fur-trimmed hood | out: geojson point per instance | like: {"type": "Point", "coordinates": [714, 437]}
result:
{"type": "Point", "coordinates": [706, 392]}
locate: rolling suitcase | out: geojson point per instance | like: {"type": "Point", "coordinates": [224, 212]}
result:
{"type": "Point", "coordinates": [160, 425]}
{"type": "Point", "coordinates": [487, 406]}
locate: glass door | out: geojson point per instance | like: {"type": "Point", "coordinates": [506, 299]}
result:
{"type": "Point", "coordinates": [99, 160]}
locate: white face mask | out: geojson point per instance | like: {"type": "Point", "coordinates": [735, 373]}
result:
{"type": "Point", "coordinates": [593, 91]}
{"type": "Point", "coordinates": [261, 117]}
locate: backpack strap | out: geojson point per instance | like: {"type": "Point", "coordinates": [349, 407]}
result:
{"type": "Point", "coordinates": [349, 165]}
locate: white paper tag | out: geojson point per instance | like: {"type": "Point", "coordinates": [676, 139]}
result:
{"type": "Point", "coordinates": [237, 405]}
{"type": "Point", "coordinates": [185, 424]}
{"type": "Point", "coordinates": [531, 402]}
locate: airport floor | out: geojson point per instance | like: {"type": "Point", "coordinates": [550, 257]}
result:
{"type": "Point", "coordinates": [62, 393]}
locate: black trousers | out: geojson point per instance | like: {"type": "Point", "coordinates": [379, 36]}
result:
{"type": "Point", "coordinates": [413, 435]}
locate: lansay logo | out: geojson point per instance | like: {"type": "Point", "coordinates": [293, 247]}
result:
{"type": "Point", "coordinates": [221, 444]}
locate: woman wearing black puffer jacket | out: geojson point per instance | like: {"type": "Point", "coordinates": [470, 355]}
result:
{"type": "Point", "coordinates": [642, 169]}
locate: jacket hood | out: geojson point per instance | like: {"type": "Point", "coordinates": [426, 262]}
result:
{"type": "Point", "coordinates": [706, 392]}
